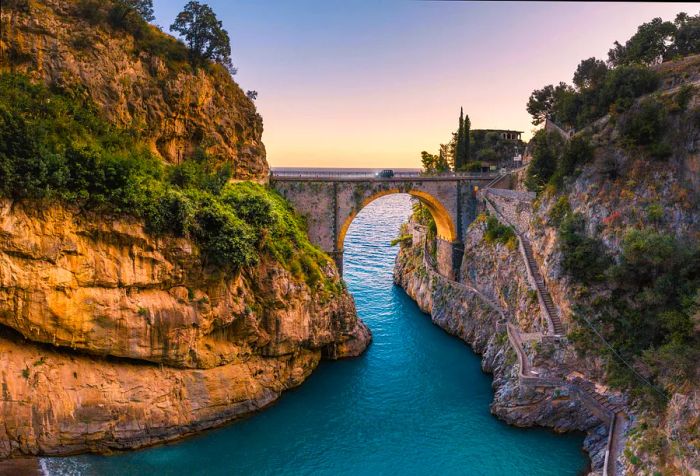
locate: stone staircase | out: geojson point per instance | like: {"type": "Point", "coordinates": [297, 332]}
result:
{"type": "Point", "coordinates": [589, 389]}
{"type": "Point", "coordinates": [597, 403]}
{"type": "Point", "coordinates": [543, 296]}
{"type": "Point", "coordinates": [542, 287]}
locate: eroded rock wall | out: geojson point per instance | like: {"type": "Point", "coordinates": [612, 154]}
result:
{"type": "Point", "coordinates": [193, 347]}
{"type": "Point", "coordinates": [466, 315]}
{"type": "Point", "coordinates": [173, 107]}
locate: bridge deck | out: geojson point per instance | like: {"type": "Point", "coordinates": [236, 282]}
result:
{"type": "Point", "coordinates": [290, 177]}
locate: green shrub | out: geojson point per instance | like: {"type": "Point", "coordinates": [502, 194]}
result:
{"type": "Point", "coordinates": [252, 204]}
{"type": "Point", "coordinates": [646, 124]}
{"type": "Point", "coordinates": [577, 152]}
{"type": "Point", "coordinates": [199, 172]}
{"type": "Point", "coordinates": [496, 232]}
{"type": "Point", "coordinates": [224, 238]}
{"type": "Point", "coordinates": [546, 147]}
{"type": "Point", "coordinates": [654, 298]}
{"type": "Point", "coordinates": [172, 212]}
{"type": "Point", "coordinates": [560, 210]}
{"type": "Point", "coordinates": [625, 83]}
{"type": "Point", "coordinates": [611, 90]}
{"type": "Point", "coordinates": [422, 215]}
{"type": "Point", "coordinates": [583, 258]}
{"type": "Point", "coordinates": [685, 94]}
{"type": "Point", "coordinates": [55, 146]}
{"type": "Point", "coordinates": [655, 212]}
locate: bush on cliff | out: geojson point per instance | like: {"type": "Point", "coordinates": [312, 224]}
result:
{"type": "Point", "coordinates": [577, 108]}
{"type": "Point", "coordinates": [496, 232]}
{"type": "Point", "coordinates": [583, 258]}
{"type": "Point", "coordinates": [546, 147]}
{"type": "Point", "coordinates": [648, 312]}
{"type": "Point", "coordinates": [646, 125]}
{"type": "Point", "coordinates": [55, 146]}
{"type": "Point", "coordinates": [422, 216]}
{"type": "Point", "coordinates": [577, 152]}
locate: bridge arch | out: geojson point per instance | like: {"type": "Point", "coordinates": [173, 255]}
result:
{"type": "Point", "coordinates": [446, 227]}
{"type": "Point", "coordinates": [330, 201]}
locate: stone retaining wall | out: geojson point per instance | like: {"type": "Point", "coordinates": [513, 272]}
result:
{"type": "Point", "coordinates": [516, 207]}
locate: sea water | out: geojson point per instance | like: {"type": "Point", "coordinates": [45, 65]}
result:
{"type": "Point", "coordinates": [415, 403]}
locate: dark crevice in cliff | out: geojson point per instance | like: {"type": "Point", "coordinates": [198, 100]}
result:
{"type": "Point", "coordinates": [17, 337]}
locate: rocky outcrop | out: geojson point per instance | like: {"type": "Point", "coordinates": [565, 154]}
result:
{"type": "Point", "coordinates": [461, 311]}
{"type": "Point", "coordinates": [145, 84]}
{"type": "Point", "coordinates": [110, 338]}
{"type": "Point", "coordinates": [623, 188]}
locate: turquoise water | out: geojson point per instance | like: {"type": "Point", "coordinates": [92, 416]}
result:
{"type": "Point", "coordinates": [416, 403]}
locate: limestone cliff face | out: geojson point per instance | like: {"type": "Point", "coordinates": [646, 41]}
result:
{"type": "Point", "coordinates": [174, 107]}
{"type": "Point", "coordinates": [624, 188]}
{"type": "Point", "coordinates": [196, 347]}
{"type": "Point", "coordinates": [464, 314]}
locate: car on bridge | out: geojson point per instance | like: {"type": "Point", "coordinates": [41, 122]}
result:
{"type": "Point", "coordinates": [386, 173]}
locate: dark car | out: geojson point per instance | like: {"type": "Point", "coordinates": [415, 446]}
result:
{"type": "Point", "coordinates": [387, 173]}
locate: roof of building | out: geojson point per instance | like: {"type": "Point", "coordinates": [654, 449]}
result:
{"type": "Point", "coordinates": [497, 130]}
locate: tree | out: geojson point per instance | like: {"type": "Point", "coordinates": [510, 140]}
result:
{"type": "Point", "coordinates": [428, 161]}
{"type": "Point", "coordinates": [143, 8]}
{"type": "Point", "coordinates": [687, 39]}
{"type": "Point", "coordinates": [462, 141]}
{"type": "Point", "coordinates": [467, 139]}
{"type": "Point", "coordinates": [204, 34]}
{"type": "Point", "coordinates": [549, 101]}
{"type": "Point", "coordinates": [447, 153]}
{"type": "Point", "coordinates": [459, 152]}
{"type": "Point", "coordinates": [546, 147]}
{"type": "Point", "coordinates": [590, 73]}
{"type": "Point", "coordinates": [434, 164]}
{"type": "Point", "coordinates": [252, 95]}
{"type": "Point", "coordinates": [539, 105]}
{"type": "Point", "coordinates": [648, 46]}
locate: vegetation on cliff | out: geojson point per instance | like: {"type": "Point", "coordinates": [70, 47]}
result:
{"type": "Point", "coordinates": [620, 188]}
{"type": "Point", "coordinates": [601, 88]}
{"type": "Point", "coordinates": [138, 77]}
{"type": "Point", "coordinates": [651, 279]}
{"type": "Point", "coordinates": [135, 263]}
{"type": "Point", "coordinates": [55, 146]}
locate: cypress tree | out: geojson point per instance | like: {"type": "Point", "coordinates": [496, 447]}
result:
{"type": "Point", "coordinates": [459, 152]}
{"type": "Point", "coordinates": [467, 140]}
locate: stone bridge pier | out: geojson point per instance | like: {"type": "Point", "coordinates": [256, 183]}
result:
{"type": "Point", "coordinates": [329, 205]}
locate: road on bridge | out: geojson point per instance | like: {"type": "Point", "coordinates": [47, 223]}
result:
{"type": "Point", "coordinates": [371, 174]}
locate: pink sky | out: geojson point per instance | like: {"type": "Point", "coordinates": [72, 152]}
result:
{"type": "Point", "coordinates": [371, 84]}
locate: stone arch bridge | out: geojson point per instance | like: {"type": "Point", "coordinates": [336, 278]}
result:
{"type": "Point", "coordinates": [329, 202]}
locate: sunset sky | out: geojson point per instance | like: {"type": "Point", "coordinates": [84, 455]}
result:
{"type": "Point", "coordinates": [371, 84]}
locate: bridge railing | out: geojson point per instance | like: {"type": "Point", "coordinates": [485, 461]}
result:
{"type": "Point", "coordinates": [370, 175]}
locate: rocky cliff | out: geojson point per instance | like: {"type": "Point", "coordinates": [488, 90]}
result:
{"type": "Point", "coordinates": [621, 190]}
{"type": "Point", "coordinates": [141, 80]}
{"type": "Point", "coordinates": [113, 335]}
{"type": "Point", "coordinates": [493, 291]}
{"type": "Point", "coordinates": [619, 226]}
{"type": "Point", "coordinates": [114, 339]}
